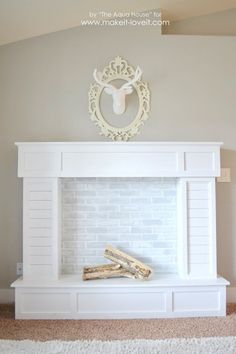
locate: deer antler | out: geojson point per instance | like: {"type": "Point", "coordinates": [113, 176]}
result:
{"type": "Point", "coordinates": [137, 75]}
{"type": "Point", "coordinates": [97, 78]}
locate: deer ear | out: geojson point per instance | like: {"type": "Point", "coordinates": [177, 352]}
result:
{"type": "Point", "coordinates": [128, 90]}
{"type": "Point", "coordinates": [109, 90]}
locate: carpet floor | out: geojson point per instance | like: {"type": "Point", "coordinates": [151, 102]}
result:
{"type": "Point", "coordinates": [70, 330]}
{"type": "Point", "coordinates": [214, 345]}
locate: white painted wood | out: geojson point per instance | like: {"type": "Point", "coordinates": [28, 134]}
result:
{"type": "Point", "coordinates": [203, 198]}
{"type": "Point", "coordinates": [41, 161]}
{"type": "Point", "coordinates": [50, 302]}
{"type": "Point", "coordinates": [212, 227]}
{"type": "Point", "coordinates": [197, 300]}
{"type": "Point", "coordinates": [197, 250]}
{"type": "Point", "coordinates": [197, 221]}
{"type": "Point", "coordinates": [198, 240]}
{"type": "Point", "coordinates": [40, 214]}
{"type": "Point", "coordinates": [198, 230]}
{"type": "Point", "coordinates": [118, 159]}
{"type": "Point", "coordinates": [197, 268]}
{"type": "Point", "coordinates": [197, 227]}
{"type": "Point", "coordinates": [121, 302]}
{"type": "Point", "coordinates": [199, 161]}
{"type": "Point", "coordinates": [40, 242]}
{"type": "Point", "coordinates": [69, 297]}
{"type": "Point", "coordinates": [197, 204]}
{"type": "Point", "coordinates": [198, 213]}
{"type": "Point", "coordinates": [198, 186]}
{"type": "Point", "coordinates": [182, 220]}
{"type": "Point", "coordinates": [40, 228]}
{"type": "Point", "coordinates": [75, 281]}
{"type": "Point", "coordinates": [38, 251]}
{"type": "Point", "coordinates": [44, 293]}
{"type": "Point", "coordinates": [198, 194]}
{"type": "Point", "coordinates": [124, 165]}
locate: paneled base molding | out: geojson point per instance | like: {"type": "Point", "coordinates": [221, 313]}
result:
{"type": "Point", "coordinates": [166, 297]}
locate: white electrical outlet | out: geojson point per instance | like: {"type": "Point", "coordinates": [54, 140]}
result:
{"type": "Point", "coordinates": [225, 175]}
{"type": "Point", "coordinates": [19, 268]}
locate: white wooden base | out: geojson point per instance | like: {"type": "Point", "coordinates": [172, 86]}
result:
{"type": "Point", "coordinates": [166, 297]}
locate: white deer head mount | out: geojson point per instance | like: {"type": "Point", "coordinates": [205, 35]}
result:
{"type": "Point", "coordinates": [118, 94]}
{"type": "Point", "coordinates": [119, 69]}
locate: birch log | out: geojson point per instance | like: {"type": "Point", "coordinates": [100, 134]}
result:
{"type": "Point", "coordinates": [131, 264]}
{"type": "Point", "coordinates": [106, 271]}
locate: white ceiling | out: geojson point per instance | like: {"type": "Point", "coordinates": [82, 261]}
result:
{"type": "Point", "coordinates": [21, 19]}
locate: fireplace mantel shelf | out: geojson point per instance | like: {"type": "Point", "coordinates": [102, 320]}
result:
{"type": "Point", "coordinates": [75, 281]}
{"type": "Point", "coordinates": [45, 293]}
{"type": "Point", "coordinates": [118, 143]}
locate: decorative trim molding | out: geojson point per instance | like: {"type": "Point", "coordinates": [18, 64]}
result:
{"type": "Point", "coordinates": [7, 296]}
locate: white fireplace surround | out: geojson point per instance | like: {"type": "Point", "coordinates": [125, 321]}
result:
{"type": "Point", "coordinates": [45, 293]}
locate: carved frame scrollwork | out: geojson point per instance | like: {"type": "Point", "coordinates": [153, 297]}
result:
{"type": "Point", "coordinates": [119, 69]}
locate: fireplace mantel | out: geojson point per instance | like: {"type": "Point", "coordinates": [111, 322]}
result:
{"type": "Point", "coordinates": [44, 292]}
{"type": "Point", "coordinates": [119, 159]}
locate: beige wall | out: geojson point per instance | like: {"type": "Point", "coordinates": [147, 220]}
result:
{"type": "Point", "coordinates": [43, 97]}
{"type": "Point", "coordinates": [220, 23]}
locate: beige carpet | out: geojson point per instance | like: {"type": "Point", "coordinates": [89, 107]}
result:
{"type": "Point", "coordinates": [115, 329]}
{"type": "Point", "coordinates": [212, 345]}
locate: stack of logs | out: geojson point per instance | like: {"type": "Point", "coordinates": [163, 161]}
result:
{"type": "Point", "coordinates": [123, 266]}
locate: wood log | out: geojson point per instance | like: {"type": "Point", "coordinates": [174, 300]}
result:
{"type": "Point", "coordinates": [106, 271]}
{"type": "Point", "coordinates": [131, 264]}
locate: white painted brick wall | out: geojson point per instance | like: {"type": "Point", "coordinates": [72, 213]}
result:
{"type": "Point", "coordinates": [136, 215]}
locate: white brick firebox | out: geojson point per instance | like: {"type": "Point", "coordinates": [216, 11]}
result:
{"type": "Point", "coordinates": [153, 200]}
{"type": "Point", "coordinates": [137, 215]}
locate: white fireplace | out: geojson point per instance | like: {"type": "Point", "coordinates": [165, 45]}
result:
{"type": "Point", "coordinates": [153, 200]}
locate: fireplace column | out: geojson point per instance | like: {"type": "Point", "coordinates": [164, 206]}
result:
{"type": "Point", "coordinates": [197, 228]}
{"type": "Point", "coordinates": [41, 228]}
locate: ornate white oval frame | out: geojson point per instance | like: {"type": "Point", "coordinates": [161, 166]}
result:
{"type": "Point", "coordinates": [119, 69]}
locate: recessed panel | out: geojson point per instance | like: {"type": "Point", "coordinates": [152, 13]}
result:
{"type": "Point", "coordinates": [120, 164]}
{"type": "Point", "coordinates": [45, 302]}
{"type": "Point", "coordinates": [42, 161]}
{"type": "Point", "coordinates": [121, 302]}
{"type": "Point", "coordinates": [201, 161]}
{"type": "Point", "coordinates": [196, 300]}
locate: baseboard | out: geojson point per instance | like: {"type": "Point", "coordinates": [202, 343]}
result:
{"type": "Point", "coordinates": [231, 294]}
{"type": "Point", "coordinates": [7, 296]}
